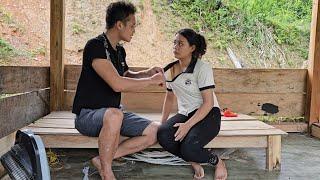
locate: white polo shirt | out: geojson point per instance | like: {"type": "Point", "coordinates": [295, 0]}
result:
{"type": "Point", "coordinates": [187, 85]}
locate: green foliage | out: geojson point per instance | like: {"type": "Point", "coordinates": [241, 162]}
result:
{"type": "Point", "coordinates": [6, 50]}
{"type": "Point", "coordinates": [38, 51]}
{"type": "Point", "coordinates": [5, 17]}
{"type": "Point", "coordinates": [250, 21]}
{"type": "Point", "coordinates": [77, 28]}
{"type": "Point", "coordinates": [276, 119]}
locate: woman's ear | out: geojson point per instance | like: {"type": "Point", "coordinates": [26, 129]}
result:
{"type": "Point", "coordinates": [193, 48]}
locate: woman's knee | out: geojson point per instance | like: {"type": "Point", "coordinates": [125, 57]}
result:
{"type": "Point", "coordinates": [164, 135]}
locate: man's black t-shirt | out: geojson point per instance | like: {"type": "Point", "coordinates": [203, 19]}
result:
{"type": "Point", "coordinates": [92, 91]}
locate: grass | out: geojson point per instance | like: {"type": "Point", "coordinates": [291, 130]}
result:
{"type": "Point", "coordinates": [38, 51]}
{"type": "Point", "coordinates": [274, 28]}
{"type": "Point", "coordinates": [6, 50]}
{"type": "Point", "coordinates": [5, 16]}
{"type": "Point", "coordinates": [77, 28]}
{"type": "Point", "coordinates": [276, 119]}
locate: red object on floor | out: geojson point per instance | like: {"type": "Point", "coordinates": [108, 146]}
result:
{"type": "Point", "coordinates": [228, 113]}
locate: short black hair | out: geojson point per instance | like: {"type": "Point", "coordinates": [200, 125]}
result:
{"type": "Point", "coordinates": [196, 39]}
{"type": "Point", "coordinates": [118, 11]}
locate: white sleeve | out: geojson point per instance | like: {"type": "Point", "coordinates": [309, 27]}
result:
{"type": "Point", "coordinates": [169, 88]}
{"type": "Point", "coordinates": [205, 78]}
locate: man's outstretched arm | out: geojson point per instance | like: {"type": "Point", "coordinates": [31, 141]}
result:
{"type": "Point", "coordinates": [109, 74]}
{"type": "Point", "coordinates": [143, 73]}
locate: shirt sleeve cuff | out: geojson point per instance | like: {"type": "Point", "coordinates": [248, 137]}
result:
{"type": "Point", "coordinates": [207, 87]}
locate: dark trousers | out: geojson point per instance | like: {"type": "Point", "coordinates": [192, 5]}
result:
{"type": "Point", "coordinates": [191, 147]}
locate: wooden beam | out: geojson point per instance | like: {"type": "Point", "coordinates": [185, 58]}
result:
{"type": "Point", "coordinates": [273, 158]}
{"type": "Point", "coordinates": [19, 79]}
{"type": "Point", "coordinates": [315, 130]}
{"type": "Point", "coordinates": [230, 80]}
{"type": "Point", "coordinates": [19, 111]}
{"type": "Point", "coordinates": [70, 141]}
{"type": "Point", "coordinates": [313, 84]}
{"type": "Point", "coordinates": [57, 26]}
{"type": "Point", "coordinates": [289, 104]}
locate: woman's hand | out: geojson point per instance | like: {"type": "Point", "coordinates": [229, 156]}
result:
{"type": "Point", "coordinates": [182, 131]}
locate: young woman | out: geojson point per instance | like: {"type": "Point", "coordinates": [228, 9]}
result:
{"type": "Point", "coordinates": [198, 120]}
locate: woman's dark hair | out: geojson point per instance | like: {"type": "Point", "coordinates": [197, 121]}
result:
{"type": "Point", "coordinates": [118, 11]}
{"type": "Point", "coordinates": [195, 39]}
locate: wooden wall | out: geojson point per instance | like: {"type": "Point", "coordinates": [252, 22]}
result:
{"type": "Point", "coordinates": [248, 91]}
{"type": "Point", "coordinates": [30, 100]}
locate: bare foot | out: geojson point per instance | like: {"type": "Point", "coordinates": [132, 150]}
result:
{"type": "Point", "coordinates": [198, 170]}
{"type": "Point", "coordinates": [108, 175]}
{"type": "Point", "coordinates": [221, 171]}
{"type": "Point", "coordinates": [96, 162]}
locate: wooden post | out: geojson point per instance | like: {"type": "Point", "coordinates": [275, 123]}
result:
{"type": "Point", "coordinates": [273, 158]}
{"type": "Point", "coordinates": [57, 24]}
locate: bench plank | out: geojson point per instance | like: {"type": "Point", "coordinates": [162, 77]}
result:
{"type": "Point", "coordinates": [225, 125]}
{"type": "Point", "coordinates": [237, 132]}
{"type": "Point", "coordinates": [151, 116]}
{"type": "Point", "coordinates": [57, 131]}
{"type": "Point", "coordinates": [70, 141]}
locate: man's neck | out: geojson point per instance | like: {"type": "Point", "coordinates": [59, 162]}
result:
{"type": "Point", "coordinates": [112, 37]}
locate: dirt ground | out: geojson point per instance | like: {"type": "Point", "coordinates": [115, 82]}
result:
{"type": "Point", "coordinates": [29, 31]}
{"type": "Point", "coordinates": [26, 25]}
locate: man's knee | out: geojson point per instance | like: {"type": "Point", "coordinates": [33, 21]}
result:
{"type": "Point", "coordinates": [151, 133]}
{"type": "Point", "coordinates": [113, 118]}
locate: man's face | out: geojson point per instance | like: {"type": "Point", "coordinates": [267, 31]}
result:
{"type": "Point", "coordinates": [127, 30]}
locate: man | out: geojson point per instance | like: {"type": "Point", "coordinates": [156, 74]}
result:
{"type": "Point", "coordinates": [105, 74]}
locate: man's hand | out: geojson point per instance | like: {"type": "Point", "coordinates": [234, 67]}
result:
{"type": "Point", "coordinates": [158, 79]}
{"type": "Point", "coordinates": [182, 131]}
{"type": "Point", "coordinates": [154, 70]}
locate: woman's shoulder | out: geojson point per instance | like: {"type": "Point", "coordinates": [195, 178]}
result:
{"type": "Point", "coordinates": [203, 65]}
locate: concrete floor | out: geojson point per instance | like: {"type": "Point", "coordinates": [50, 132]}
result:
{"type": "Point", "coordinates": [300, 160]}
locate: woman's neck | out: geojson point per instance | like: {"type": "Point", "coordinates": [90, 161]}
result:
{"type": "Point", "coordinates": [184, 62]}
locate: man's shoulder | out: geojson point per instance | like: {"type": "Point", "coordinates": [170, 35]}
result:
{"type": "Point", "coordinates": [96, 41]}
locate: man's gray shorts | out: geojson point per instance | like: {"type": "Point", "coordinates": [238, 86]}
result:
{"type": "Point", "coordinates": [89, 122]}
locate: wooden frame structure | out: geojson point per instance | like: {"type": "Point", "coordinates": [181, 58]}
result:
{"type": "Point", "coordinates": [36, 99]}
{"type": "Point", "coordinates": [313, 86]}
{"type": "Point", "coordinates": [57, 61]}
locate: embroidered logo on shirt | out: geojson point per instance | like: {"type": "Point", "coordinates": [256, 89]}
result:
{"type": "Point", "coordinates": [187, 82]}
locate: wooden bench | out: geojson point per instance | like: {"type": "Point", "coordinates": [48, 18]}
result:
{"type": "Point", "coordinates": [57, 131]}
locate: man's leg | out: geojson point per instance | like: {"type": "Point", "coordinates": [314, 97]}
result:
{"type": "Point", "coordinates": [136, 144]}
{"type": "Point", "coordinates": [132, 126]}
{"type": "Point", "coordinates": [107, 140]}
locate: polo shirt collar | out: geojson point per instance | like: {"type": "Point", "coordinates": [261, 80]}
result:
{"type": "Point", "coordinates": [109, 44]}
{"type": "Point", "coordinates": [189, 69]}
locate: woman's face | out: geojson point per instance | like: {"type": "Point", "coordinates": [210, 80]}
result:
{"type": "Point", "coordinates": [182, 48]}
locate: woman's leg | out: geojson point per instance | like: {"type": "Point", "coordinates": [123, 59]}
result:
{"type": "Point", "coordinates": [201, 134]}
{"type": "Point", "coordinates": [166, 133]}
